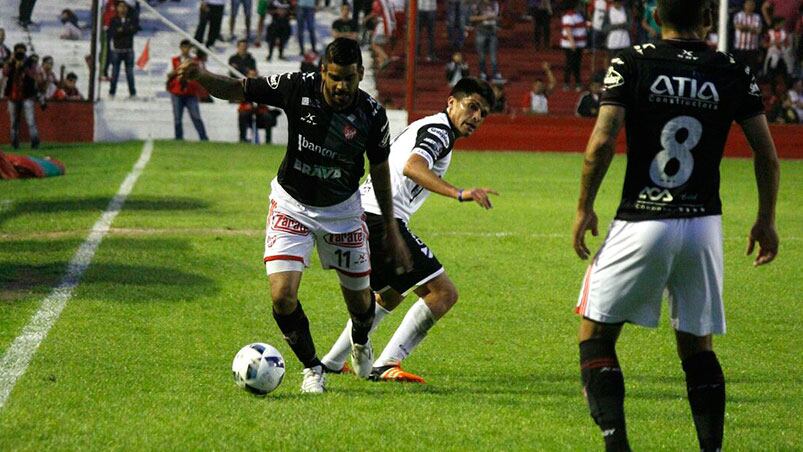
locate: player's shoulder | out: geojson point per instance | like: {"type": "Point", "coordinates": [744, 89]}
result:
{"type": "Point", "coordinates": [371, 107]}
{"type": "Point", "coordinates": [437, 126]}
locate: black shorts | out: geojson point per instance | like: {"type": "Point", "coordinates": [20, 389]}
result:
{"type": "Point", "coordinates": [383, 273]}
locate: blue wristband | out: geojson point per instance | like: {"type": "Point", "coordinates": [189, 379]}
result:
{"type": "Point", "coordinates": [460, 196]}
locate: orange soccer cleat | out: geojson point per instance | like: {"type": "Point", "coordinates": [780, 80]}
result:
{"type": "Point", "coordinates": [394, 373]}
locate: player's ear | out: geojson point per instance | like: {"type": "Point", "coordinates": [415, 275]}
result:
{"type": "Point", "coordinates": [361, 71]}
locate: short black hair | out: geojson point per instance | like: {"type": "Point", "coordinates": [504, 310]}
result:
{"type": "Point", "coordinates": [467, 86]}
{"type": "Point", "coordinates": [20, 45]}
{"type": "Point", "coordinates": [242, 41]}
{"type": "Point", "coordinates": [47, 58]}
{"type": "Point", "coordinates": [185, 42]}
{"type": "Point", "coordinates": [343, 52]}
{"type": "Point", "coordinates": [683, 15]}
{"type": "Point", "coordinates": [72, 76]}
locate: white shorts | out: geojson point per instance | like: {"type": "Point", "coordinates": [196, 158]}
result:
{"type": "Point", "coordinates": [626, 280]}
{"type": "Point", "coordinates": [339, 231]}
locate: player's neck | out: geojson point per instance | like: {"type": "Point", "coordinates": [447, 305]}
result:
{"type": "Point", "coordinates": [670, 34]}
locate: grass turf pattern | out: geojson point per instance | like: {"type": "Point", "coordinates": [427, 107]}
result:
{"type": "Point", "coordinates": [140, 358]}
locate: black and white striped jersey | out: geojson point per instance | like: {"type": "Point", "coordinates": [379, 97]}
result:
{"type": "Point", "coordinates": [432, 138]}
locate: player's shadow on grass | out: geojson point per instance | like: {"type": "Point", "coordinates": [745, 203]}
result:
{"type": "Point", "coordinates": [99, 204]}
{"type": "Point", "coordinates": [126, 281]}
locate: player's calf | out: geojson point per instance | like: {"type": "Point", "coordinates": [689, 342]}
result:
{"type": "Point", "coordinates": [604, 389]}
{"type": "Point", "coordinates": [705, 385]}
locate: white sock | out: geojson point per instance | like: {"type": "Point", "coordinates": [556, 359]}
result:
{"type": "Point", "coordinates": [340, 350]}
{"type": "Point", "coordinates": [413, 329]}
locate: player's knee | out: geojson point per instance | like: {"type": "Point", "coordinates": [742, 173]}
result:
{"type": "Point", "coordinates": [284, 299]}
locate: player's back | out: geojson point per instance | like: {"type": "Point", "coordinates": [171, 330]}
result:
{"type": "Point", "coordinates": [680, 99]}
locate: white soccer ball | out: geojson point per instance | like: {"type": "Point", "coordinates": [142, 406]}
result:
{"type": "Point", "coordinates": [258, 368]}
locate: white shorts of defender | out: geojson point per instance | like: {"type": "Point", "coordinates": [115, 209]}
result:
{"type": "Point", "coordinates": [339, 231]}
{"type": "Point", "coordinates": [638, 260]}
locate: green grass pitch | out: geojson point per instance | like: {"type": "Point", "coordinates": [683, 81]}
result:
{"type": "Point", "coordinates": [140, 357]}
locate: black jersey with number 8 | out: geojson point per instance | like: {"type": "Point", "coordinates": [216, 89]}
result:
{"type": "Point", "coordinates": [680, 99]}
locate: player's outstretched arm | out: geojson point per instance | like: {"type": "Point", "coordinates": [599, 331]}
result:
{"type": "Point", "coordinates": [767, 169]}
{"type": "Point", "coordinates": [599, 153]}
{"type": "Point", "coordinates": [380, 175]}
{"type": "Point", "coordinates": [218, 86]}
{"type": "Point", "coordinates": [417, 169]}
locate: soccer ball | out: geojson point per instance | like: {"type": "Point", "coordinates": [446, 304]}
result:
{"type": "Point", "coordinates": [258, 368]}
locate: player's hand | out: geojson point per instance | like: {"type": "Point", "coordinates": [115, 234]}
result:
{"type": "Point", "coordinates": [188, 70]}
{"type": "Point", "coordinates": [480, 196]}
{"type": "Point", "coordinates": [398, 252]}
{"type": "Point", "coordinates": [584, 221]}
{"type": "Point", "coordinates": [767, 239]}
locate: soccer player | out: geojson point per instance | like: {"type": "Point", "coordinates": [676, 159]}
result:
{"type": "Point", "coordinates": [678, 100]}
{"type": "Point", "coordinates": [419, 158]}
{"type": "Point", "coordinates": [314, 199]}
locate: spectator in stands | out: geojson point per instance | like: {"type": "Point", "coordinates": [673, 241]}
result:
{"type": "Point", "coordinates": [69, 25]}
{"type": "Point", "coordinates": [122, 30]}
{"type": "Point", "coordinates": [456, 69]}
{"type": "Point", "coordinates": [69, 90]}
{"type": "Point", "coordinates": [345, 26]}
{"type": "Point", "coordinates": [20, 74]}
{"type": "Point", "coordinates": [243, 61]}
{"type": "Point", "coordinates": [427, 10]}
{"type": "Point", "coordinates": [376, 37]}
{"type": "Point", "coordinates": [456, 13]}
{"type": "Point", "coordinates": [211, 13]}
{"type": "Point", "coordinates": [279, 28]}
{"type": "Point", "coordinates": [311, 62]}
{"type": "Point", "coordinates": [485, 18]}
{"type": "Point", "coordinates": [618, 28]}
{"type": "Point", "coordinates": [259, 115]}
{"type": "Point", "coordinates": [5, 54]}
{"type": "Point", "coordinates": [235, 6]}
{"type": "Point", "coordinates": [500, 98]}
{"type": "Point", "coordinates": [536, 100]}
{"type": "Point", "coordinates": [779, 59]}
{"type": "Point", "coordinates": [651, 29]}
{"type": "Point", "coordinates": [184, 94]}
{"type": "Point", "coordinates": [305, 19]}
{"type": "Point", "coordinates": [47, 81]}
{"type": "Point", "coordinates": [784, 111]}
{"type": "Point", "coordinates": [26, 9]}
{"type": "Point", "coordinates": [747, 29]}
{"type": "Point", "coordinates": [541, 13]}
{"type": "Point", "coordinates": [109, 13]}
{"type": "Point", "coordinates": [789, 10]}
{"type": "Point", "coordinates": [599, 16]}
{"type": "Point", "coordinates": [796, 97]}
{"type": "Point", "coordinates": [573, 41]}
{"type": "Point", "coordinates": [262, 11]}
{"type": "Point", "coordinates": [588, 105]}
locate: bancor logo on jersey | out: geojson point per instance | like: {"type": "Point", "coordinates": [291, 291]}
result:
{"type": "Point", "coordinates": [684, 91]}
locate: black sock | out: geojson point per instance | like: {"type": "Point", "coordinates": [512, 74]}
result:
{"type": "Point", "coordinates": [295, 327]}
{"type": "Point", "coordinates": [705, 385]}
{"type": "Point", "coordinates": [604, 388]}
{"type": "Point", "coordinates": [361, 323]}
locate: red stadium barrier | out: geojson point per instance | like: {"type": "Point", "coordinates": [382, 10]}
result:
{"type": "Point", "coordinates": [60, 122]}
{"type": "Point", "coordinates": [568, 134]}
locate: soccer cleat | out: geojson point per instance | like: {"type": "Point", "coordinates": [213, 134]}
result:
{"type": "Point", "coordinates": [394, 373]}
{"type": "Point", "coordinates": [346, 369]}
{"type": "Point", "coordinates": [314, 381]}
{"type": "Point", "coordinates": [362, 357]}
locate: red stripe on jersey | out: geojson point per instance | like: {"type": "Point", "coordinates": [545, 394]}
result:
{"type": "Point", "coordinates": [284, 257]}
{"type": "Point", "coordinates": [581, 307]}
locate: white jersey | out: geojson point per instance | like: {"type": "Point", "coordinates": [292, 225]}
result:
{"type": "Point", "coordinates": [432, 138]}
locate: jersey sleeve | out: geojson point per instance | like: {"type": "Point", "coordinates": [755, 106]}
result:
{"type": "Point", "coordinates": [378, 144]}
{"type": "Point", "coordinates": [433, 142]}
{"type": "Point", "coordinates": [275, 90]}
{"type": "Point", "coordinates": [618, 81]}
{"type": "Point", "coordinates": [750, 102]}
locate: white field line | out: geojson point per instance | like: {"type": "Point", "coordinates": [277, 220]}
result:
{"type": "Point", "coordinates": [16, 359]}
